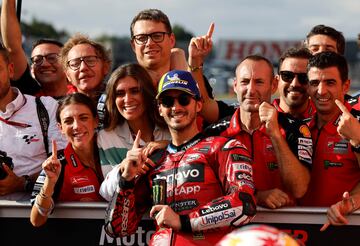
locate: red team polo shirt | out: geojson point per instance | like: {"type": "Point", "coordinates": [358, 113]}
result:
{"type": "Point", "coordinates": [266, 172]}
{"type": "Point", "coordinates": [335, 167]}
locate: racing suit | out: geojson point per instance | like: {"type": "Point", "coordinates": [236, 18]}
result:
{"type": "Point", "coordinates": [336, 168]}
{"type": "Point", "coordinates": [209, 184]}
{"type": "Point", "coordinates": [265, 168]}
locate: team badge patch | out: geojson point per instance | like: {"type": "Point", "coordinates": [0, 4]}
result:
{"type": "Point", "coordinates": [337, 146]}
{"type": "Point", "coordinates": [304, 129]}
{"type": "Point", "coordinates": [328, 164]}
{"type": "Point", "coordinates": [272, 166]}
{"type": "Point", "coordinates": [232, 144]}
{"type": "Point", "coordinates": [239, 157]}
{"type": "Point", "coordinates": [30, 139]}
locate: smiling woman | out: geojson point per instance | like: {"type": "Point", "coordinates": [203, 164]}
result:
{"type": "Point", "coordinates": [72, 174]}
{"type": "Point", "coordinates": [131, 108]}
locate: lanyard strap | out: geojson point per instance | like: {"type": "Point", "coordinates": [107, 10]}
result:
{"type": "Point", "coordinates": [14, 123]}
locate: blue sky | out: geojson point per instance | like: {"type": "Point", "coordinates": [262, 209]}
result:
{"type": "Point", "coordinates": [238, 19]}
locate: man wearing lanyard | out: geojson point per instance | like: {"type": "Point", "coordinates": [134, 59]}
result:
{"type": "Point", "coordinates": [22, 142]}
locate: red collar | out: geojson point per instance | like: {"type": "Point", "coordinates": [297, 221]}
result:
{"type": "Point", "coordinates": [330, 126]}
{"type": "Point", "coordinates": [235, 125]}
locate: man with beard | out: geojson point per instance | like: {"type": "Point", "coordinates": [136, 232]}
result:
{"type": "Point", "coordinates": [293, 84]}
{"type": "Point", "coordinates": [209, 188]}
{"type": "Point", "coordinates": [276, 141]}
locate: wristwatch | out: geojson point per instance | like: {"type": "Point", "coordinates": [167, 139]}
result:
{"type": "Point", "coordinates": [356, 148]}
{"type": "Point", "coordinates": [195, 68]}
{"type": "Point", "coordinates": [28, 184]}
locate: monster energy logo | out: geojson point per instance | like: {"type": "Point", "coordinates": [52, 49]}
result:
{"type": "Point", "coordinates": [159, 191]}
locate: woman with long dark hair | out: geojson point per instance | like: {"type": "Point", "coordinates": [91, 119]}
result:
{"type": "Point", "coordinates": [131, 110]}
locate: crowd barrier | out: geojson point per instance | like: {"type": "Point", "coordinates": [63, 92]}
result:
{"type": "Point", "coordinates": [82, 224]}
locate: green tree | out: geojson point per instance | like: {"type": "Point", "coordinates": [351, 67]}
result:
{"type": "Point", "coordinates": [181, 33]}
{"type": "Point", "coordinates": [40, 29]}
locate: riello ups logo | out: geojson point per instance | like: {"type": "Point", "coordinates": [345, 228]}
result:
{"type": "Point", "coordinates": [183, 174]}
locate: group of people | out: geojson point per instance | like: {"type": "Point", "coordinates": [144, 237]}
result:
{"type": "Point", "coordinates": [153, 129]}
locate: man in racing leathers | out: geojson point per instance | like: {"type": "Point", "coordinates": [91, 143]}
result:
{"type": "Point", "coordinates": [209, 179]}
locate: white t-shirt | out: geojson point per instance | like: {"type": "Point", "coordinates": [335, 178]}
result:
{"type": "Point", "coordinates": [25, 145]}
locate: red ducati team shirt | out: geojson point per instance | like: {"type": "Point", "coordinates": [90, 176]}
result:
{"type": "Point", "coordinates": [266, 172]}
{"type": "Point", "coordinates": [335, 166]}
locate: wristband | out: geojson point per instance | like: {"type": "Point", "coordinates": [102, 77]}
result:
{"type": "Point", "coordinates": [185, 223]}
{"type": "Point", "coordinates": [43, 195]}
{"type": "Point", "coordinates": [124, 184]}
{"type": "Point", "coordinates": [356, 148]}
{"type": "Point", "coordinates": [193, 69]}
{"type": "Point", "coordinates": [44, 211]}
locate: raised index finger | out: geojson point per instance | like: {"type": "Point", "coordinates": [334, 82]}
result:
{"type": "Point", "coordinates": [211, 30]}
{"type": "Point", "coordinates": [342, 107]}
{"type": "Point", "coordinates": [137, 140]}
{"type": "Point", "coordinates": [54, 149]}
{"type": "Point", "coordinates": [346, 199]}
{"type": "Point", "coordinates": [325, 226]}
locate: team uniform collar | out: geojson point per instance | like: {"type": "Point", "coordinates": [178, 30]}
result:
{"type": "Point", "coordinates": [332, 125]}
{"type": "Point", "coordinates": [307, 114]}
{"type": "Point", "coordinates": [235, 125]}
{"type": "Point", "coordinates": [173, 149]}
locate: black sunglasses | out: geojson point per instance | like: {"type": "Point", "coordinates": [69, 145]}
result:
{"type": "Point", "coordinates": [288, 77]}
{"type": "Point", "coordinates": [168, 101]}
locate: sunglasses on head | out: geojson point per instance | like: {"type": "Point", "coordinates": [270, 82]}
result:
{"type": "Point", "coordinates": [289, 76]}
{"type": "Point", "coordinates": [168, 101]}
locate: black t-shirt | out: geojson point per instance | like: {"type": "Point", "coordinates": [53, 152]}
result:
{"type": "Point", "coordinates": [224, 108]}
{"type": "Point", "coordinates": [26, 83]}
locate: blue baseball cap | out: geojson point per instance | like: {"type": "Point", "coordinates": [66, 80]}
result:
{"type": "Point", "coordinates": [178, 80]}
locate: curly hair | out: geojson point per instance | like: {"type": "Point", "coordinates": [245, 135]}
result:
{"type": "Point", "coordinates": [100, 50]}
